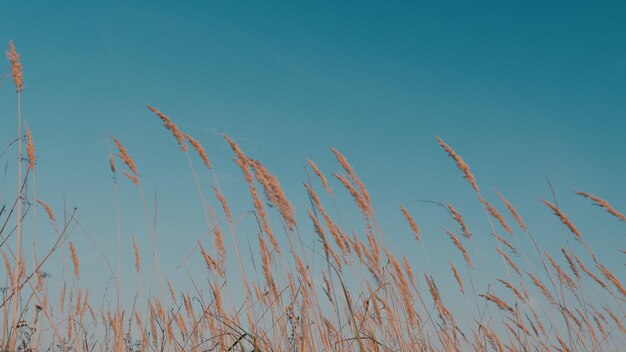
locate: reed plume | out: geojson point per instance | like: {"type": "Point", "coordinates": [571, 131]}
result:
{"type": "Point", "coordinates": [604, 204]}
{"type": "Point", "coordinates": [16, 67]}
{"type": "Point", "coordinates": [208, 260]}
{"type": "Point", "coordinates": [509, 260]}
{"type": "Point", "coordinates": [564, 219]}
{"type": "Point", "coordinates": [494, 212]}
{"type": "Point", "coordinates": [30, 149]}
{"type": "Point", "coordinates": [75, 260]}
{"type": "Point", "coordinates": [353, 176]}
{"type": "Point", "coordinates": [513, 212]}
{"type": "Point", "coordinates": [200, 150]}
{"type": "Point", "coordinates": [171, 126]}
{"type": "Point", "coordinates": [137, 256]}
{"type": "Point", "coordinates": [460, 163]}
{"type": "Point", "coordinates": [589, 273]}
{"type": "Point", "coordinates": [411, 221]}
{"type": "Point", "coordinates": [274, 192]}
{"type": "Point", "coordinates": [461, 248]}
{"type": "Point", "coordinates": [498, 301]}
{"type": "Point", "coordinates": [459, 219]}
{"type": "Point", "coordinates": [123, 154]}
{"type": "Point", "coordinates": [222, 199]}
{"type": "Point", "coordinates": [321, 176]}
{"type": "Point", "coordinates": [609, 276]}
{"type": "Point", "coordinates": [358, 198]}
{"type": "Point", "coordinates": [49, 211]}
{"type": "Point", "coordinates": [513, 289]}
{"type": "Point", "coordinates": [457, 277]}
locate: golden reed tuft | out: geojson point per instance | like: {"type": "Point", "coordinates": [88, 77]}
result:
{"type": "Point", "coordinates": [461, 248]}
{"type": "Point", "coordinates": [16, 67]}
{"type": "Point", "coordinates": [123, 154]}
{"type": "Point", "coordinates": [459, 219]}
{"type": "Point", "coordinates": [75, 260]}
{"type": "Point", "coordinates": [49, 211]}
{"type": "Point", "coordinates": [564, 219]}
{"type": "Point", "coordinates": [513, 212]}
{"type": "Point", "coordinates": [220, 196]}
{"type": "Point", "coordinates": [411, 221]}
{"type": "Point", "coordinates": [30, 149]}
{"type": "Point", "coordinates": [321, 176]}
{"type": "Point", "coordinates": [171, 126]}
{"type": "Point", "coordinates": [460, 164]}
{"type": "Point", "coordinates": [137, 256]}
{"type": "Point", "coordinates": [492, 210]}
{"type": "Point", "coordinates": [457, 277]}
{"type": "Point", "coordinates": [200, 150]}
{"type": "Point", "coordinates": [604, 204]}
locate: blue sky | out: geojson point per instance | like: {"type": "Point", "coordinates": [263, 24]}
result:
{"type": "Point", "coordinates": [521, 91]}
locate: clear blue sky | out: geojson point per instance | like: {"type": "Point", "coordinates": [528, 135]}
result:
{"type": "Point", "coordinates": [521, 91]}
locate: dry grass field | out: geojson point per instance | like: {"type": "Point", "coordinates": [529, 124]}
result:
{"type": "Point", "coordinates": [349, 292]}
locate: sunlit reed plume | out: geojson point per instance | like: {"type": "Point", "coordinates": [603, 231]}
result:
{"type": "Point", "coordinates": [460, 164]}
{"type": "Point", "coordinates": [457, 277]}
{"type": "Point", "coordinates": [171, 126]}
{"type": "Point", "coordinates": [16, 67]}
{"type": "Point", "coordinates": [609, 276]}
{"type": "Point", "coordinates": [133, 178]}
{"type": "Point", "coordinates": [459, 245]}
{"type": "Point", "coordinates": [200, 150]}
{"type": "Point", "coordinates": [589, 273]}
{"type": "Point", "coordinates": [604, 204]}
{"type": "Point", "coordinates": [509, 260]}
{"type": "Point", "coordinates": [353, 176]}
{"type": "Point", "coordinates": [75, 260]}
{"type": "Point", "coordinates": [358, 198]}
{"type": "Point", "coordinates": [513, 289]}
{"type": "Point", "coordinates": [544, 290]}
{"type": "Point", "coordinates": [513, 212]}
{"type": "Point", "coordinates": [49, 211]}
{"type": "Point", "coordinates": [123, 154]}
{"type": "Point", "coordinates": [492, 210]}
{"type": "Point", "coordinates": [274, 192]}
{"type": "Point", "coordinates": [209, 261]}
{"type": "Point", "coordinates": [570, 262]}
{"type": "Point", "coordinates": [564, 219]}
{"type": "Point", "coordinates": [137, 256]}
{"type": "Point", "coordinates": [411, 221]}
{"type": "Point", "coordinates": [30, 149]}
{"type": "Point", "coordinates": [459, 219]}
{"type": "Point", "coordinates": [562, 275]}
{"type": "Point", "coordinates": [498, 301]}
{"type": "Point", "coordinates": [222, 199]}
{"type": "Point", "coordinates": [321, 176]}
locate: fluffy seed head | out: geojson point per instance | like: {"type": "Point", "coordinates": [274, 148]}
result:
{"type": "Point", "coordinates": [75, 260]}
{"type": "Point", "coordinates": [460, 164]}
{"type": "Point", "coordinates": [171, 126]}
{"type": "Point", "coordinates": [30, 149]}
{"type": "Point", "coordinates": [200, 150]}
{"type": "Point", "coordinates": [16, 67]}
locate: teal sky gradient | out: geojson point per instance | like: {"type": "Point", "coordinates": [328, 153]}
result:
{"type": "Point", "coordinates": [521, 91]}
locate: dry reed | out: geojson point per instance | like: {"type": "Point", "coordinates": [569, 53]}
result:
{"type": "Point", "coordinates": [200, 150]}
{"type": "Point", "coordinates": [604, 204]}
{"type": "Point", "coordinates": [75, 260]}
{"type": "Point", "coordinates": [171, 126]}
{"type": "Point", "coordinates": [16, 67]}
{"type": "Point", "coordinates": [460, 163]}
{"type": "Point", "coordinates": [411, 221]}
